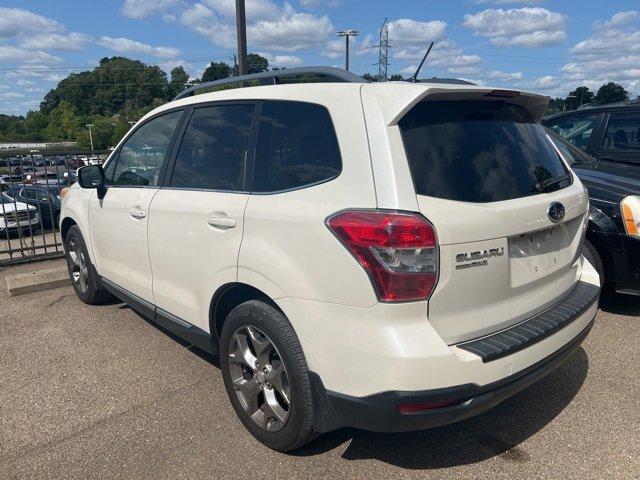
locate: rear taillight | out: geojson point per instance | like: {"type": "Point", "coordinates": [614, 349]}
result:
{"type": "Point", "coordinates": [398, 250]}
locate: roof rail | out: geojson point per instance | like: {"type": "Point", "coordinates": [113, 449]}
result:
{"type": "Point", "coordinates": [272, 78]}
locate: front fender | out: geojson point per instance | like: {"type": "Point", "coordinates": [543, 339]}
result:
{"type": "Point", "coordinates": [76, 207]}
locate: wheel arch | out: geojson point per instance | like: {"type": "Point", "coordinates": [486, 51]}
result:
{"type": "Point", "coordinates": [599, 225]}
{"type": "Point", "coordinates": [229, 296]}
{"type": "Point", "coordinates": [66, 224]}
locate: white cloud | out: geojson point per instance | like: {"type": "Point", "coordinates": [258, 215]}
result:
{"type": "Point", "coordinates": [320, 3]}
{"type": "Point", "coordinates": [618, 20]}
{"type": "Point", "coordinates": [39, 72]}
{"type": "Point", "coordinates": [282, 61]}
{"type": "Point", "coordinates": [527, 27]}
{"type": "Point", "coordinates": [10, 53]}
{"type": "Point", "coordinates": [611, 53]}
{"type": "Point", "coordinates": [14, 21]}
{"type": "Point", "coordinates": [504, 76]}
{"type": "Point", "coordinates": [269, 26]}
{"type": "Point", "coordinates": [126, 45]}
{"type": "Point", "coordinates": [291, 32]}
{"type": "Point", "coordinates": [358, 46]}
{"type": "Point", "coordinates": [546, 82]}
{"type": "Point", "coordinates": [406, 31]}
{"type": "Point", "coordinates": [56, 41]}
{"type": "Point", "coordinates": [255, 9]}
{"type": "Point", "coordinates": [145, 8]}
{"type": "Point", "coordinates": [509, 2]}
{"type": "Point", "coordinates": [444, 55]}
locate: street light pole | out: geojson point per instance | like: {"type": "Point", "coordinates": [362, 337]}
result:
{"type": "Point", "coordinates": [346, 34]}
{"type": "Point", "coordinates": [89, 125]}
{"type": "Point", "coordinates": [241, 27]}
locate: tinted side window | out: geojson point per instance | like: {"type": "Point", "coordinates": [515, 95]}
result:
{"type": "Point", "coordinates": [297, 146]}
{"type": "Point", "coordinates": [143, 153]}
{"type": "Point", "coordinates": [214, 148]}
{"type": "Point", "coordinates": [576, 130]}
{"type": "Point", "coordinates": [623, 133]}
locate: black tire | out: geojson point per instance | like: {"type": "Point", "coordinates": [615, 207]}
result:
{"type": "Point", "coordinates": [87, 286]}
{"type": "Point", "coordinates": [591, 254]}
{"type": "Point", "coordinates": [298, 429]}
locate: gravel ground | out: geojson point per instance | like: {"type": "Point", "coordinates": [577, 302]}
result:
{"type": "Point", "coordinates": [98, 392]}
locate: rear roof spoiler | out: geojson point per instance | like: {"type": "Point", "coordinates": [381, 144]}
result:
{"type": "Point", "coordinates": [394, 104]}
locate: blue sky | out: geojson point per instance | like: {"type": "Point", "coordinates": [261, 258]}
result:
{"type": "Point", "coordinates": [548, 46]}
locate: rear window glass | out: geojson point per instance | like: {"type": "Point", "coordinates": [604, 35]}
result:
{"type": "Point", "coordinates": [475, 151]}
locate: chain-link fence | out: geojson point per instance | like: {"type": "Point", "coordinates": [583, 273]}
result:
{"type": "Point", "coordinates": [30, 186]}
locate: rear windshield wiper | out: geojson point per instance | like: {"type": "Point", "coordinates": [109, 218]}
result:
{"type": "Point", "coordinates": [549, 182]}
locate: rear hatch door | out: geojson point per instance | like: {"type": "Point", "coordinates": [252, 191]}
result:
{"type": "Point", "coordinates": [508, 212]}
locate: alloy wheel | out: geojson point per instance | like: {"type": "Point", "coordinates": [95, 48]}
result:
{"type": "Point", "coordinates": [79, 268]}
{"type": "Point", "coordinates": [259, 378]}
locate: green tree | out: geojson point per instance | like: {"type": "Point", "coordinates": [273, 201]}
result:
{"type": "Point", "coordinates": [611, 92]}
{"type": "Point", "coordinates": [35, 124]}
{"type": "Point", "coordinates": [369, 77]}
{"type": "Point", "coordinates": [12, 128]}
{"type": "Point", "coordinates": [62, 124]}
{"type": "Point", "coordinates": [216, 71]}
{"type": "Point", "coordinates": [256, 63]}
{"type": "Point", "coordinates": [179, 79]}
{"type": "Point", "coordinates": [120, 128]}
{"type": "Point", "coordinates": [396, 77]}
{"type": "Point", "coordinates": [107, 88]}
{"type": "Point", "coordinates": [580, 96]}
{"type": "Point", "coordinates": [556, 105]}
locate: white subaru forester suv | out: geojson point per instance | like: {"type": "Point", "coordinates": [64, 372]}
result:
{"type": "Point", "coordinates": [387, 256]}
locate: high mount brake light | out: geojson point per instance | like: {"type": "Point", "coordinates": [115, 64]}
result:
{"type": "Point", "coordinates": [398, 250]}
{"type": "Point", "coordinates": [502, 93]}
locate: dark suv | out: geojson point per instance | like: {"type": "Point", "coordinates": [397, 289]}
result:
{"type": "Point", "coordinates": [604, 145]}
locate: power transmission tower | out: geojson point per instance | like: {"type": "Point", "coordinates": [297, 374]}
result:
{"type": "Point", "coordinates": [383, 51]}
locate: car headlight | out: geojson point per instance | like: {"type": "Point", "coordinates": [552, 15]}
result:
{"type": "Point", "coordinates": [630, 208]}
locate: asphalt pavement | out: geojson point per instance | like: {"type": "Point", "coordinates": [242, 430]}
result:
{"type": "Point", "coordinates": [99, 392]}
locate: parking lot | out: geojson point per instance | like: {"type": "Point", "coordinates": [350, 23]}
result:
{"type": "Point", "coordinates": [98, 392]}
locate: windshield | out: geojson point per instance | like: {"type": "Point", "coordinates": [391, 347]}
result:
{"type": "Point", "coordinates": [477, 151]}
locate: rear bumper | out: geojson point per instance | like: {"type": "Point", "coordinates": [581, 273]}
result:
{"type": "Point", "coordinates": [379, 412]}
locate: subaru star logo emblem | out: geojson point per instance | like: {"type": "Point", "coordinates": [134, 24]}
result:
{"type": "Point", "coordinates": [556, 212]}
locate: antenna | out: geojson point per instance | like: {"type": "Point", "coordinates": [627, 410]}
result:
{"type": "Point", "coordinates": [415, 75]}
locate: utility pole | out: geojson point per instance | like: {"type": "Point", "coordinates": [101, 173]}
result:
{"type": "Point", "coordinates": [241, 26]}
{"type": "Point", "coordinates": [346, 34]}
{"type": "Point", "coordinates": [383, 52]}
{"type": "Point", "coordinates": [235, 64]}
{"type": "Point", "coordinates": [89, 125]}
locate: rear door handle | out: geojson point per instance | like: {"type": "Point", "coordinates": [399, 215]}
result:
{"type": "Point", "coordinates": [137, 213]}
{"type": "Point", "coordinates": [222, 222]}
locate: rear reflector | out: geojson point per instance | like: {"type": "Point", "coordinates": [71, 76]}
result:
{"type": "Point", "coordinates": [421, 407]}
{"type": "Point", "coordinates": [398, 251]}
{"type": "Point", "coordinates": [502, 93]}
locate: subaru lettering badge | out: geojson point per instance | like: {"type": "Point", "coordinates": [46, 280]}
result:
{"type": "Point", "coordinates": [556, 212]}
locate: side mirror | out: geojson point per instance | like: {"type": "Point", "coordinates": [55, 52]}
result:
{"type": "Point", "coordinates": [92, 176]}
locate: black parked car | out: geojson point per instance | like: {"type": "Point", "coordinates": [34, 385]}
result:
{"type": "Point", "coordinates": [45, 198]}
{"type": "Point", "coordinates": [612, 247]}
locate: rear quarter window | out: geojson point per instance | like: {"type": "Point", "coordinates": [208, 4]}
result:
{"type": "Point", "coordinates": [477, 151]}
{"type": "Point", "coordinates": [296, 147]}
